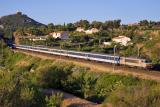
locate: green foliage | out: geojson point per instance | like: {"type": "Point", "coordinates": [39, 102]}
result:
{"type": "Point", "coordinates": [14, 92]}
{"type": "Point", "coordinates": [96, 24]}
{"type": "Point", "coordinates": [107, 83]}
{"type": "Point", "coordinates": [152, 47]}
{"type": "Point", "coordinates": [130, 51]}
{"type": "Point", "coordinates": [112, 24]}
{"type": "Point", "coordinates": [144, 23]}
{"type": "Point", "coordinates": [8, 33]}
{"type": "Point", "coordinates": [52, 76]}
{"type": "Point", "coordinates": [70, 27]}
{"type": "Point", "coordinates": [89, 79]}
{"type": "Point", "coordinates": [146, 96]}
{"type": "Point", "coordinates": [60, 28]}
{"type": "Point", "coordinates": [83, 23]}
{"type": "Point", "coordinates": [54, 101]}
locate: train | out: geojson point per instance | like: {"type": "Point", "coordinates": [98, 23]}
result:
{"type": "Point", "coordinates": [117, 60]}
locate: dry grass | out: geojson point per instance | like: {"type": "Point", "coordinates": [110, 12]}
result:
{"type": "Point", "coordinates": [22, 63]}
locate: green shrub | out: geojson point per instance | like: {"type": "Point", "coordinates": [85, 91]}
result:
{"type": "Point", "coordinates": [53, 75]}
{"type": "Point", "coordinates": [16, 91]}
{"type": "Point", "coordinates": [54, 101]}
{"type": "Point", "coordinates": [135, 96]}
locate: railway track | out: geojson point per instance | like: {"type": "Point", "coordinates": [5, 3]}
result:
{"type": "Point", "coordinates": [99, 66]}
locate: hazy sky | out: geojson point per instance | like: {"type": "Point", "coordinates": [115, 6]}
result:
{"type": "Point", "coordinates": [60, 11]}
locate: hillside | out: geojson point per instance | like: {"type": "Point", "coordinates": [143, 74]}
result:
{"type": "Point", "coordinates": [9, 23]}
{"type": "Point", "coordinates": [18, 20]}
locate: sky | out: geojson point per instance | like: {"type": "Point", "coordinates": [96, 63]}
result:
{"type": "Point", "coordinates": [60, 11]}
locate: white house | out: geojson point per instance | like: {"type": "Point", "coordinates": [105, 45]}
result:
{"type": "Point", "coordinates": [91, 31]}
{"type": "Point", "coordinates": [123, 40]}
{"type": "Point", "coordinates": [61, 35]}
{"type": "Point", "coordinates": [79, 29]}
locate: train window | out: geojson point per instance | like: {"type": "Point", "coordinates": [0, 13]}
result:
{"type": "Point", "coordinates": [132, 60]}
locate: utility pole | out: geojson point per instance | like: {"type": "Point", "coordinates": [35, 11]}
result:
{"type": "Point", "coordinates": [114, 49]}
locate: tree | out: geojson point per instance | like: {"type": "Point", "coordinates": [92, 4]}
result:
{"type": "Point", "coordinates": [8, 33]}
{"type": "Point", "coordinates": [96, 24]}
{"type": "Point", "coordinates": [70, 27]}
{"type": "Point", "coordinates": [112, 24]}
{"type": "Point", "coordinates": [83, 23]}
{"type": "Point", "coordinates": [60, 28]}
{"type": "Point", "coordinates": [50, 27]}
{"type": "Point", "coordinates": [34, 31]}
{"type": "Point", "coordinates": [117, 23]}
{"type": "Point", "coordinates": [144, 23]}
{"type": "Point", "coordinates": [1, 32]}
{"type": "Point", "coordinates": [43, 29]}
{"type": "Point", "coordinates": [89, 80]}
{"type": "Point", "coordinates": [20, 32]}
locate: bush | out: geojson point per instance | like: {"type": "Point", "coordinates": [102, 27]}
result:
{"type": "Point", "coordinates": [52, 76]}
{"type": "Point", "coordinates": [54, 101]}
{"type": "Point", "coordinates": [16, 91]}
{"type": "Point", "coordinates": [135, 96]}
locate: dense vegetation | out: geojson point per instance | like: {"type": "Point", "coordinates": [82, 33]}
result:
{"type": "Point", "coordinates": [16, 86]}
{"type": "Point", "coordinates": [24, 76]}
